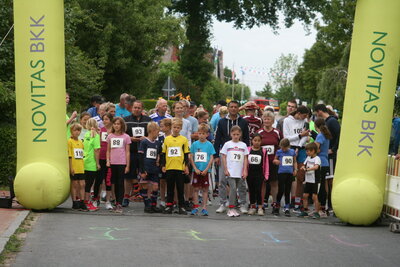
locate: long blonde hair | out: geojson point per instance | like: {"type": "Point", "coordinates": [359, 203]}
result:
{"type": "Point", "coordinates": [92, 126]}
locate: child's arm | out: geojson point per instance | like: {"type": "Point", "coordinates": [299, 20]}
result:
{"type": "Point", "coordinates": [193, 164]}
{"type": "Point", "coordinates": [245, 162]}
{"type": "Point", "coordinates": [162, 162]}
{"type": "Point", "coordinates": [205, 171]}
{"type": "Point", "coordinates": [128, 157]}
{"type": "Point", "coordinates": [315, 167]}
{"type": "Point", "coordinates": [276, 160]}
{"type": "Point", "coordinates": [225, 167]}
{"type": "Point", "coordinates": [97, 157]}
{"type": "Point", "coordinates": [294, 166]}
{"type": "Point", "coordinates": [108, 154]}
{"type": "Point", "coordinates": [186, 162]}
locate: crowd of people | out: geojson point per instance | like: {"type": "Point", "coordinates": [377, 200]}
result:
{"type": "Point", "coordinates": [170, 157]}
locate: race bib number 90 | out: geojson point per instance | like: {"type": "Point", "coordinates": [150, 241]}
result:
{"type": "Point", "coordinates": [270, 149]}
{"type": "Point", "coordinates": [151, 153]}
{"type": "Point", "coordinates": [254, 159]}
{"type": "Point", "coordinates": [287, 161]}
{"type": "Point", "coordinates": [174, 151]}
{"type": "Point", "coordinates": [117, 142]}
{"type": "Point", "coordinates": [200, 157]}
{"type": "Point", "coordinates": [104, 136]}
{"type": "Point", "coordinates": [78, 153]}
{"type": "Point", "coordinates": [236, 156]}
{"type": "Point", "coordinates": [137, 131]}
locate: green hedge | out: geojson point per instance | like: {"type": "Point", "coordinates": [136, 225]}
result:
{"type": "Point", "coordinates": [8, 153]}
{"type": "Point", "coordinates": [151, 103]}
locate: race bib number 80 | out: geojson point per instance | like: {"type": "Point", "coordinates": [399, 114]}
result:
{"type": "Point", "coordinates": [287, 161]}
{"type": "Point", "coordinates": [117, 142]}
{"type": "Point", "coordinates": [174, 151]}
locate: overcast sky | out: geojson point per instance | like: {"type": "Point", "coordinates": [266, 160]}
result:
{"type": "Point", "coordinates": [258, 49]}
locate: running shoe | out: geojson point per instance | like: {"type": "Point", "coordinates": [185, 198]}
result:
{"type": "Point", "coordinates": [275, 211]}
{"type": "Point", "coordinates": [315, 215]}
{"type": "Point", "coordinates": [156, 209]}
{"type": "Point", "coordinates": [297, 210]}
{"type": "Point", "coordinates": [265, 206]}
{"type": "Point", "coordinates": [103, 196]}
{"type": "Point", "coordinates": [215, 192]}
{"type": "Point", "coordinates": [194, 211]}
{"type": "Point", "coordinates": [252, 211]}
{"type": "Point", "coordinates": [118, 209]}
{"type": "Point", "coordinates": [182, 211]}
{"type": "Point", "coordinates": [125, 202]}
{"type": "Point", "coordinates": [168, 210]}
{"type": "Point", "coordinates": [260, 212]}
{"type": "Point", "coordinates": [243, 209]}
{"type": "Point", "coordinates": [287, 212]}
{"type": "Point", "coordinates": [221, 209]}
{"type": "Point", "coordinates": [230, 213]}
{"type": "Point", "coordinates": [303, 214]}
{"type": "Point", "coordinates": [96, 203]}
{"type": "Point", "coordinates": [148, 210]}
{"type": "Point", "coordinates": [235, 213]}
{"type": "Point", "coordinates": [90, 206]}
{"type": "Point", "coordinates": [204, 212]}
{"type": "Point", "coordinates": [209, 203]}
{"type": "Point", "coordinates": [322, 214]}
{"type": "Point", "coordinates": [109, 206]}
{"type": "Point", "coordinates": [75, 205]}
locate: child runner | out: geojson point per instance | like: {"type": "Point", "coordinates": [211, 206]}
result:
{"type": "Point", "coordinates": [149, 153]}
{"type": "Point", "coordinates": [201, 158]}
{"type": "Point", "coordinates": [165, 130]}
{"type": "Point", "coordinates": [286, 159]}
{"type": "Point", "coordinates": [91, 145]}
{"type": "Point", "coordinates": [258, 172]}
{"type": "Point", "coordinates": [175, 162]}
{"type": "Point", "coordinates": [76, 168]}
{"type": "Point", "coordinates": [312, 168]}
{"type": "Point", "coordinates": [234, 157]}
{"type": "Point", "coordinates": [118, 158]}
{"type": "Point", "coordinates": [104, 132]}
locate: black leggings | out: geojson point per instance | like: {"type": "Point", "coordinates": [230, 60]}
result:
{"type": "Point", "coordinates": [284, 185]}
{"type": "Point", "coordinates": [254, 182]}
{"type": "Point", "coordinates": [101, 177]}
{"type": "Point", "coordinates": [175, 177]}
{"type": "Point", "coordinates": [117, 179]}
{"type": "Point", "coordinates": [322, 192]}
{"type": "Point", "coordinates": [90, 177]}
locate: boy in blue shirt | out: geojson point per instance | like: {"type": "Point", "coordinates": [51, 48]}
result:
{"type": "Point", "coordinates": [201, 158]}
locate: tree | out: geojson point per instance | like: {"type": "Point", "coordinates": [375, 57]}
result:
{"type": "Point", "coordinates": [266, 91]}
{"type": "Point", "coordinates": [282, 73]}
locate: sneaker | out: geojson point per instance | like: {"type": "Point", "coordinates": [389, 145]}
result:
{"type": "Point", "coordinates": [260, 212]}
{"type": "Point", "coordinates": [221, 209]}
{"type": "Point", "coordinates": [156, 209]}
{"type": "Point", "coordinates": [215, 192]}
{"type": "Point", "coordinates": [188, 206]}
{"type": "Point", "coordinates": [287, 212]}
{"type": "Point", "coordinates": [82, 206]}
{"type": "Point", "coordinates": [168, 210]}
{"type": "Point", "coordinates": [323, 214]}
{"type": "Point", "coordinates": [243, 209]}
{"type": "Point", "coordinates": [96, 203]}
{"type": "Point", "coordinates": [235, 213]}
{"type": "Point", "coordinates": [109, 206]}
{"type": "Point", "coordinates": [297, 210]}
{"type": "Point", "coordinates": [148, 210]}
{"type": "Point", "coordinates": [194, 211]}
{"type": "Point", "coordinates": [90, 206]}
{"type": "Point", "coordinates": [275, 211]}
{"type": "Point", "coordinates": [315, 215]}
{"type": "Point", "coordinates": [182, 211]}
{"type": "Point", "coordinates": [204, 212]}
{"type": "Point", "coordinates": [118, 208]}
{"type": "Point", "coordinates": [303, 214]}
{"type": "Point", "coordinates": [252, 211]}
{"type": "Point", "coordinates": [209, 203]}
{"type": "Point", "coordinates": [265, 206]}
{"type": "Point", "coordinates": [75, 205]}
{"type": "Point", "coordinates": [125, 202]}
{"type": "Point", "coordinates": [230, 213]}
{"type": "Point", "coordinates": [103, 196]}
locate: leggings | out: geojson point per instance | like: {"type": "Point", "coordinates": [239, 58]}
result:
{"type": "Point", "coordinates": [254, 182]}
{"type": "Point", "coordinates": [284, 185]}
{"type": "Point", "coordinates": [117, 179]}
{"type": "Point", "coordinates": [101, 177]}
{"type": "Point", "coordinates": [322, 191]}
{"type": "Point", "coordinates": [90, 177]}
{"type": "Point", "coordinates": [175, 177]}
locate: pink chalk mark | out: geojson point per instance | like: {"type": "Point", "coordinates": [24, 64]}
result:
{"type": "Point", "coordinates": [348, 244]}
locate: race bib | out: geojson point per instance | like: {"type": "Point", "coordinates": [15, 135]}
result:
{"type": "Point", "coordinates": [287, 161]}
{"type": "Point", "coordinates": [236, 156]}
{"type": "Point", "coordinates": [117, 142]}
{"type": "Point", "coordinates": [270, 149]}
{"type": "Point", "coordinates": [254, 159]}
{"type": "Point", "coordinates": [151, 153]}
{"type": "Point", "coordinates": [174, 151]}
{"type": "Point", "coordinates": [200, 157]}
{"type": "Point", "coordinates": [137, 131]}
{"type": "Point", "coordinates": [78, 153]}
{"type": "Point", "coordinates": [104, 136]}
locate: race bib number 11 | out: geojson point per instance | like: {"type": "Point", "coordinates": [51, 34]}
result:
{"type": "Point", "coordinates": [78, 153]}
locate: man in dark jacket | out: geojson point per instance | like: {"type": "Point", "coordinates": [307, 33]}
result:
{"type": "Point", "coordinates": [221, 137]}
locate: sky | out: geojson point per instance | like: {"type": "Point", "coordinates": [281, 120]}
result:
{"type": "Point", "coordinates": [258, 49]}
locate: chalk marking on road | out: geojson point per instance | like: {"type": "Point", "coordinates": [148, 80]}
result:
{"type": "Point", "coordinates": [193, 234]}
{"type": "Point", "coordinates": [107, 235]}
{"type": "Point", "coordinates": [347, 243]}
{"type": "Point", "coordinates": [274, 239]}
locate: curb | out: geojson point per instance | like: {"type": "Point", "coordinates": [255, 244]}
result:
{"type": "Point", "coordinates": [4, 237]}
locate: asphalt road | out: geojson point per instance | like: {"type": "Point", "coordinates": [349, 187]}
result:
{"type": "Point", "coordinates": [66, 238]}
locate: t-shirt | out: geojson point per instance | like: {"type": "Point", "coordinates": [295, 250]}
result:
{"type": "Point", "coordinates": [256, 159]}
{"type": "Point", "coordinates": [313, 175]}
{"type": "Point", "coordinates": [150, 151]}
{"type": "Point", "coordinates": [90, 144]}
{"type": "Point", "coordinates": [82, 134]}
{"type": "Point", "coordinates": [136, 127]}
{"type": "Point", "coordinates": [235, 153]}
{"type": "Point", "coordinates": [186, 130]}
{"type": "Point", "coordinates": [68, 129]}
{"type": "Point", "coordinates": [270, 142]}
{"type": "Point", "coordinates": [93, 112]}
{"type": "Point", "coordinates": [121, 112]}
{"type": "Point", "coordinates": [157, 117]}
{"type": "Point", "coordinates": [193, 123]}
{"type": "Point", "coordinates": [99, 121]}
{"type": "Point", "coordinates": [103, 143]}
{"type": "Point", "coordinates": [201, 153]}
{"type": "Point", "coordinates": [324, 148]}
{"type": "Point", "coordinates": [118, 144]}
{"type": "Point", "coordinates": [254, 123]}
{"type": "Point", "coordinates": [75, 153]}
{"type": "Point", "coordinates": [286, 159]}
{"type": "Point", "coordinates": [175, 149]}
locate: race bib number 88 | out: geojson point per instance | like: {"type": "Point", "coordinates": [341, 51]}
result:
{"type": "Point", "coordinates": [117, 142]}
{"type": "Point", "coordinates": [287, 161]}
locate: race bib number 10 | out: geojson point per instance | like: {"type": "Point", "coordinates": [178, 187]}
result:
{"type": "Point", "coordinates": [174, 151]}
{"type": "Point", "coordinates": [287, 161]}
{"type": "Point", "coordinates": [200, 157]}
{"type": "Point", "coordinates": [117, 142]}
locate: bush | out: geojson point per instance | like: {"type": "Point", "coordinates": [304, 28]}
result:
{"type": "Point", "coordinates": [282, 108]}
{"type": "Point", "coordinates": [8, 152]}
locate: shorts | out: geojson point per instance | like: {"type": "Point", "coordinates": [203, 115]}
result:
{"type": "Point", "coordinates": [186, 179]}
{"type": "Point", "coordinates": [310, 188]}
{"type": "Point", "coordinates": [332, 165]}
{"type": "Point", "coordinates": [151, 178]}
{"type": "Point", "coordinates": [77, 177]}
{"type": "Point", "coordinates": [162, 176]}
{"type": "Point", "coordinates": [200, 181]}
{"type": "Point", "coordinates": [134, 165]}
{"type": "Point", "coordinates": [273, 172]}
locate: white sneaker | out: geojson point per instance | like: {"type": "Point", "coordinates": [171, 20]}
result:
{"type": "Point", "coordinates": [109, 206]}
{"type": "Point", "coordinates": [235, 213]}
{"type": "Point", "coordinates": [260, 212]}
{"type": "Point", "coordinates": [231, 213]}
{"type": "Point", "coordinates": [209, 203]}
{"type": "Point", "coordinates": [252, 211]}
{"type": "Point", "coordinates": [221, 209]}
{"type": "Point", "coordinates": [243, 209]}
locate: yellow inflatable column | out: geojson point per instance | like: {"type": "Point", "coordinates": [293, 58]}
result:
{"type": "Point", "coordinates": [359, 183]}
{"type": "Point", "coordinates": [42, 180]}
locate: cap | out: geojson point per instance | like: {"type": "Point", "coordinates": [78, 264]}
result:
{"type": "Point", "coordinates": [269, 108]}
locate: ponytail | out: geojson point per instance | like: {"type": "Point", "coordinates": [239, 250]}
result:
{"type": "Point", "coordinates": [320, 124]}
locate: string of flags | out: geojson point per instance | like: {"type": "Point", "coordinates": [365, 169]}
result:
{"type": "Point", "coordinates": [260, 71]}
